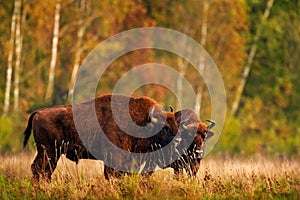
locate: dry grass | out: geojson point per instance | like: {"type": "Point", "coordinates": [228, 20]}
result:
{"type": "Point", "coordinates": [257, 178]}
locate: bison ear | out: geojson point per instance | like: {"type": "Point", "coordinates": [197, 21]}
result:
{"type": "Point", "coordinates": [209, 134]}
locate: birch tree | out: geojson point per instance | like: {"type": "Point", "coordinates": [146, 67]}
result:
{"type": "Point", "coordinates": [84, 8]}
{"type": "Point", "coordinates": [251, 56]}
{"type": "Point", "coordinates": [188, 28]}
{"type": "Point", "coordinates": [53, 61]}
{"type": "Point", "coordinates": [182, 67]}
{"type": "Point", "coordinates": [201, 67]}
{"type": "Point", "coordinates": [18, 49]}
{"type": "Point", "coordinates": [17, 6]}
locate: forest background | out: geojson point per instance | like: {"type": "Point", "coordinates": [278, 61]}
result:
{"type": "Point", "coordinates": [254, 43]}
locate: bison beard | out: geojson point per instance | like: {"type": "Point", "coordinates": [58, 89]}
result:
{"type": "Point", "coordinates": [55, 133]}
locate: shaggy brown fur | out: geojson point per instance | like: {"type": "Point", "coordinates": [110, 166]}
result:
{"type": "Point", "coordinates": [191, 156]}
{"type": "Point", "coordinates": [191, 153]}
{"type": "Point", "coordinates": [55, 132]}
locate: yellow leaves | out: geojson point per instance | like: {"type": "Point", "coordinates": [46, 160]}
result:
{"type": "Point", "coordinates": [281, 101]}
{"type": "Point", "coordinates": [40, 19]}
{"type": "Point", "coordinates": [282, 91]}
{"type": "Point", "coordinates": [256, 120]}
{"type": "Point", "coordinates": [226, 27]}
{"type": "Point", "coordinates": [120, 15]}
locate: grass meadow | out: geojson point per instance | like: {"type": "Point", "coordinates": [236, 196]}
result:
{"type": "Point", "coordinates": [219, 178]}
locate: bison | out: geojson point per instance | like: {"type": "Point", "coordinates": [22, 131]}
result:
{"type": "Point", "coordinates": [191, 137]}
{"type": "Point", "coordinates": [191, 152]}
{"type": "Point", "coordinates": [55, 132]}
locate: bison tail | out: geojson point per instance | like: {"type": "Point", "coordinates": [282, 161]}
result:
{"type": "Point", "coordinates": [27, 131]}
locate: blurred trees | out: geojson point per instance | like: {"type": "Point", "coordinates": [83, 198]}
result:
{"type": "Point", "coordinates": [222, 34]}
{"type": "Point", "coordinates": [83, 22]}
{"type": "Point", "coordinates": [268, 116]}
{"type": "Point", "coordinates": [15, 45]}
{"type": "Point", "coordinates": [225, 28]}
{"type": "Point", "coordinates": [54, 50]}
{"type": "Point", "coordinates": [251, 56]}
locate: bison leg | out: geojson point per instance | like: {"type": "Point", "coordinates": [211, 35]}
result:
{"type": "Point", "coordinates": [44, 164]}
{"type": "Point", "coordinates": [36, 167]}
{"type": "Point", "coordinates": [111, 172]}
{"type": "Point", "coordinates": [147, 174]}
{"type": "Point", "coordinates": [147, 170]}
{"type": "Point", "coordinates": [79, 152]}
{"type": "Point", "coordinates": [49, 169]}
{"type": "Point", "coordinates": [178, 172]}
{"type": "Point", "coordinates": [194, 168]}
{"type": "Point", "coordinates": [178, 167]}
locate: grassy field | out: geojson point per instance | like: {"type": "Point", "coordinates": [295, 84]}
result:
{"type": "Point", "coordinates": [258, 178]}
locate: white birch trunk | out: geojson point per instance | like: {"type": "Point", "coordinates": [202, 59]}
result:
{"type": "Point", "coordinates": [252, 53]}
{"type": "Point", "coordinates": [201, 66]}
{"type": "Point", "coordinates": [182, 65]}
{"type": "Point", "coordinates": [50, 86]}
{"type": "Point", "coordinates": [10, 59]}
{"type": "Point", "coordinates": [18, 58]}
{"type": "Point", "coordinates": [79, 48]}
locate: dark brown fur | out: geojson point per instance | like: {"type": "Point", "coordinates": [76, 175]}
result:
{"type": "Point", "coordinates": [55, 132]}
{"type": "Point", "coordinates": [190, 159]}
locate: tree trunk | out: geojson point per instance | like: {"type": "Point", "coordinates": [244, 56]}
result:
{"type": "Point", "coordinates": [252, 53]}
{"type": "Point", "coordinates": [81, 30]}
{"type": "Point", "coordinates": [10, 58]}
{"type": "Point", "coordinates": [182, 65]}
{"type": "Point", "coordinates": [201, 67]}
{"type": "Point", "coordinates": [18, 59]}
{"type": "Point", "coordinates": [50, 87]}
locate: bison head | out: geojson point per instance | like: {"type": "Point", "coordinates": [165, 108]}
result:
{"type": "Point", "coordinates": [191, 127]}
{"type": "Point", "coordinates": [164, 124]}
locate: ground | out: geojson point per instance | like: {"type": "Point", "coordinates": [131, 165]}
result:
{"type": "Point", "coordinates": [219, 178]}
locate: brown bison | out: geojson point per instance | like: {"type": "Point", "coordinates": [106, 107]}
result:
{"type": "Point", "coordinates": [191, 152]}
{"type": "Point", "coordinates": [192, 134]}
{"type": "Point", "coordinates": [56, 132]}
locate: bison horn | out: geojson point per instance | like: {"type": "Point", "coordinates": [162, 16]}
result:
{"type": "Point", "coordinates": [152, 119]}
{"type": "Point", "coordinates": [212, 123]}
{"type": "Point", "coordinates": [171, 108]}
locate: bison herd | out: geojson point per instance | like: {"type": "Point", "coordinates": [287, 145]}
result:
{"type": "Point", "coordinates": [128, 134]}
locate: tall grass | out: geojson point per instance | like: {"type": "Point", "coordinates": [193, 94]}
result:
{"type": "Point", "coordinates": [219, 178]}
